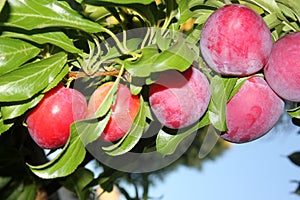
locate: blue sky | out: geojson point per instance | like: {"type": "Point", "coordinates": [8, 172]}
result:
{"type": "Point", "coordinates": [257, 170]}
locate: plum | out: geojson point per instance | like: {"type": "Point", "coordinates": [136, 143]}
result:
{"type": "Point", "coordinates": [49, 122]}
{"type": "Point", "coordinates": [282, 71]}
{"type": "Point", "coordinates": [124, 110]}
{"type": "Point", "coordinates": [235, 41]}
{"type": "Point", "coordinates": [179, 99]}
{"type": "Point", "coordinates": [252, 111]}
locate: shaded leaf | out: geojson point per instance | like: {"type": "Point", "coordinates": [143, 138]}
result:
{"type": "Point", "coordinates": [14, 52]}
{"type": "Point", "coordinates": [4, 126]}
{"type": "Point", "coordinates": [26, 81]}
{"type": "Point", "coordinates": [78, 181]}
{"type": "Point", "coordinates": [295, 158]}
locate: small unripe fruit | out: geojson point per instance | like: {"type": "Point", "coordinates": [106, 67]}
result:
{"type": "Point", "coordinates": [124, 110]}
{"type": "Point", "coordinates": [282, 71]}
{"type": "Point", "coordinates": [179, 99]}
{"type": "Point", "coordinates": [49, 122]}
{"type": "Point", "coordinates": [252, 111]}
{"type": "Point", "coordinates": [235, 41]}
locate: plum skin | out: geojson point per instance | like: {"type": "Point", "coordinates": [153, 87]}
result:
{"type": "Point", "coordinates": [179, 99]}
{"type": "Point", "coordinates": [235, 41]}
{"type": "Point", "coordinates": [282, 71]}
{"type": "Point", "coordinates": [49, 122]}
{"type": "Point", "coordinates": [124, 110]}
{"type": "Point", "coordinates": [252, 111]}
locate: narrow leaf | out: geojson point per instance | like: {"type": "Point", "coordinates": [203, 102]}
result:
{"type": "Point", "coordinates": [24, 82]}
{"type": "Point", "coordinates": [132, 136]}
{"type": "Point", "coordinates": [56, 38]}
{"type": "Point", "coordinates": [221, 88]}
{"type": "Point", "coordinates": [64, 163]}
{"type": "Point", "coordinates": [14, 52]}
{"type": "Point", "coordinates": [295, 158]}
{"type": "Point", "coordinates": [37, 14]}
{"type": "Point", "coordinates": [166, 144]}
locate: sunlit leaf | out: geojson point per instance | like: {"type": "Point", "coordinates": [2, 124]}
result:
{"type": "Point", "coordinates": [221, 89]}
{"type": "Point", "coordinates": [16, 110]}
{"type": "Point", "coordinates": [14, 52]}
{"type": "Point", "coordinates": [26, 81]}
{"type": "Point", "coordinates": [166, 144]}
{"type": "Point", "coordinates": [132, 136]}
{"type": "Point", "coordinates": [56, 38]}
{"type": "Point", "coordinates": [66, 162]}
{"type": "Point", "coordinates": [121, 1]}
{"type": "Point", "coordinates": [295, 112]}
{"type": "Point", "coordinates": [36, 14]}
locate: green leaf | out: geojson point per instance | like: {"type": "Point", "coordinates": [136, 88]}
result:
{"type": "Point", "coordinates": [221, 88]}
{"type": "Point", "coordinates": [178, 57]}
{"type": "Point", "coordinates": [295, 112]}
{"type": "Point", "coordinates": [143, 66]}
{"type": "Point", "coordinates": [57, 38]}
{"type": "Point", "coordinates": [4, 126]}
{"type": "Point", "coordinates": [14, 52]}
{"type": "Point", "coordinates": [19, 190]}
{"type": "Point", "coordinates": [15, 110]}
{"type": "Point", "coordinates": [61, 75]}
{"type": "Point", "coordinates": [145, 2]}
{"type": "Point", "coordinates": [2, 3]}
{"type": "Point", "coordinates": [78, 181]}
{"type": "Point", "coordinates": [66, 162]}
{"type": "Point", "coordinates": [26, 81]}
{"type": "Point", "coordinates": [132, 136]}
{"type": "Point", "coordinates": [295, 158]}
{"type": "Point", "coordinates": [166, 144]}
{"type": "Point", "coordinates": [91, 129]}
{"type": "Point", "coordinates": [37, 14]}
{"type": "Point", "coordinates": [185, 12]}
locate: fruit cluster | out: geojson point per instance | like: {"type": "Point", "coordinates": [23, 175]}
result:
{"type": "Point", "coordinates": [236, 43]}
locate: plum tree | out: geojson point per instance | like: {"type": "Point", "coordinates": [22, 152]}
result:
{"type": "Point", "coordinates": [124, 110]}
{"type": "Point", "coordinates": [179, 99]}
{"type": "Point", "coordinates": [49, 122]}
{"type": "Point", "coordinates": [282, 70]}
{"type": "Point", "coordinates": [235, 41]}
{"type": "Point", "coordinates": [252, 111]}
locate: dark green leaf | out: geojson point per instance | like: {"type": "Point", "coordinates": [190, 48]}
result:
{"type": "Point", "coordinates": [295, 158]}
{"type": "Point", "coordinates": [4, 126]}
{"type": "Point", "coordinates": [4, 181]}
{"type": "Point", "coordinates": [56, 38]}
{"type": "Point", "coordinates": [78, 181]}
{"type": "Point", "coordinates": [132, 136]}
{"type": "Point", "coordinates": [166, 144]}
{"type": "Point", "coordinates": [37, 14]}
{"type": "Point", "coordinates": [16, 110]}
{"type": "Point", "coordinates": [14, 52]}
{"type": "Point", "coordinates": [26, 81]}
{"type": "Point", "coordinates": [221, 88]}
{"type": "Point", "coordinates": [66, 162]}
{"type": "Point", "coordinates": [19, 190]}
